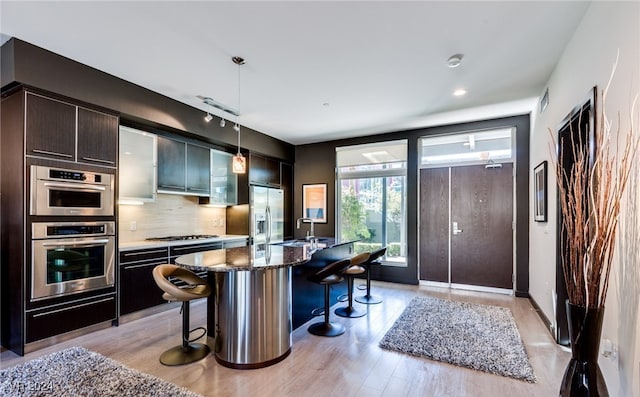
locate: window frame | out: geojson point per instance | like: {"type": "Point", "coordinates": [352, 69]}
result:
{"type": "Point", "coordinates": [383, 173]}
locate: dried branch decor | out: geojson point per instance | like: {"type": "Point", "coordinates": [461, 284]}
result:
{"type": "Point", "coordinates": [590, 196]}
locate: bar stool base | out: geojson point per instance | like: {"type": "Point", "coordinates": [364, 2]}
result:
{"type": "Point", "coordinates": [368, 299]}
{"type": "Point", "coordinates": [180, 355]}
{"type": "Point", "coordinates": [326, 329]}
{"type": "Point", "coordinates": [350, 312]}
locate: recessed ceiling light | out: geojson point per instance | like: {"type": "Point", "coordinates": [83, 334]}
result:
{"type": "Point", "coordinates": [459, 92]}
{"type": "Point", "coordinates": [455, 60]}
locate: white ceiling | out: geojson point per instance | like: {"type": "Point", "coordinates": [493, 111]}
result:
{"type": "Point", "coordinates": [378, 66]}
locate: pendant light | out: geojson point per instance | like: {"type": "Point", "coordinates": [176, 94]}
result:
{"type": "Point", "coordinates": [239, 164]}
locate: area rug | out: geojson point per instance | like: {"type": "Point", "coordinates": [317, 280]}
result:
{"type": "Point", "coordinates": [479, 337]}
{"type": "Point", "coordinates": [80, 372]}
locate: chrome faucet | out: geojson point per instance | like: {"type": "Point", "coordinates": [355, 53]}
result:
{"type": "Point", "coordinates": [311, 234]}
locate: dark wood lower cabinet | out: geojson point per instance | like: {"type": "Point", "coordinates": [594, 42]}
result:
{"type": "Point", "coordinates": [58, 319]}
{"type": "Point", "coordinates": [138, 289]}
{"type": "Point", "coordinates": [307, 295]}
{"type": "Point", "coordinates": [180, 250]}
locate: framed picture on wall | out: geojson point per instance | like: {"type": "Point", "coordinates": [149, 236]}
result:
{"type": "Point", "coordinates": [314, 202]}
{"type": "Point", "coordinates": [540, 192]}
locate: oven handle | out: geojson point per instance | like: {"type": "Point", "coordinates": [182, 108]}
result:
{"type": "Point", "coordinates": [76, 243]}
{"type": "Point", "coordinates": [75, 186]}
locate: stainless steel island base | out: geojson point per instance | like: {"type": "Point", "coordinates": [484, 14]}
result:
{"type": "Point", "coordinates": [253, 317]}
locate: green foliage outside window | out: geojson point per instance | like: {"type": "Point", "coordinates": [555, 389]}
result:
{"type": "Point", "coordinates": [353, 218]}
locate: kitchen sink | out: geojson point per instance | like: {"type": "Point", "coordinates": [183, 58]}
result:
{"type": "Point", "coordinates": [301, 242]}
{"type": "Point", "coordinates": [292, 243]}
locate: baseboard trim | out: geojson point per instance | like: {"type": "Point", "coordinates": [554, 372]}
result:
{"type": "Point", "coordinates": [543, 317]}
{"type": "Point", "coordinates": [467, 287]}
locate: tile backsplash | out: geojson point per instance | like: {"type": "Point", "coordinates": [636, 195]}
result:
{"type": "Point", "coordinates": [170, 215]}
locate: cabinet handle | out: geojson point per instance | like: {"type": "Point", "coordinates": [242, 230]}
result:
{"type": "Point", "coordinates": [172, 186]}
{"type": "Point", "coordinates": [205, 247]}
{"type": "Point", "coordinates": [145, 252]}
{"type": "Point", "coordinates": [98, 160]}
{"type": "Point", "coordinates": [72, 307]}
{"type": "Point", "coordinates": [74, 186]}
{"type": "Point", "coordinates": [143, 265]}
{"type": "Point", "coordinates": [77, 243]}
{"type": "Point", "coordinates": [52, 153]}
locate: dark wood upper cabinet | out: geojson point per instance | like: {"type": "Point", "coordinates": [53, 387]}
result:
{"type": "Point", "coordinates": [171, 165]}
{"type": "Point", "coordinates": [183, 167]}
{"type": "Point", "coordinates": [97, 137]}
{"type": "Point", "coordinates": [198, 169]}
{"type": "Point", "coordinates": [50, 128]}
{"type": "Point", "coordinates": [64, 131]}
{"type": "Point", "coordinates": [264, 171]}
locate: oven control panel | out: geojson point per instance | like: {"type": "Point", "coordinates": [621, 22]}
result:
{"type": "Point", "coordinates": [68, 175]}
{"type": "Point", "coordinates": [44, 230]}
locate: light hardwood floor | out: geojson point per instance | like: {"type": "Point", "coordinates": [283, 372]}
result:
{"type": "Point", "coordinates": [348, 365]}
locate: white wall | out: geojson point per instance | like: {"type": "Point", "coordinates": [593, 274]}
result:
{"type": "Point", "coordinates": [587, 62]}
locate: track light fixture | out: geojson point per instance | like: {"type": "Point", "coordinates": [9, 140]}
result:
{"type": "Point", "coordinates": [210, 102]}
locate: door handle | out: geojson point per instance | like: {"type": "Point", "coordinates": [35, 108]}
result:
{"type": "Point", "coordinates": [456, 231]}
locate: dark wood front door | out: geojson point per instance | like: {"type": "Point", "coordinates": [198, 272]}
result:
{"type": "Point", "coordinates": [466, 225]}
{"type": "Point", "coordinates": [434, 224]}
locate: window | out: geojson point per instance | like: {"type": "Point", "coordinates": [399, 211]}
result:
{"type": "Point", "coordinates": [468, 148]}
{"type": "Point", "coordinates": [372, 198]}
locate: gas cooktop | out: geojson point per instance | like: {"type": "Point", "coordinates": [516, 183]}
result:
{"type": "Point", "coordinates": [185, 237]}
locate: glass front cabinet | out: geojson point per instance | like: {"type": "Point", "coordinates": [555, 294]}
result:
{"type": "Point", "coordinates": [137, 165]}
{"type": "Point", "coordinates": [224, 183]}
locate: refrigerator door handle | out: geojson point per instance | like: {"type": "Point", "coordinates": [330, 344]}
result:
{"type": "Point", "coordinates": [268, 218]}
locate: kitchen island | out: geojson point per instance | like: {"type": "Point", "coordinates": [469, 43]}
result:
{"type": "Point", "coordinates": [249, 313]}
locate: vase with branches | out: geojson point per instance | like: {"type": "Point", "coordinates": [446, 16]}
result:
{"type": "Point", "coordinates": [590, 191]}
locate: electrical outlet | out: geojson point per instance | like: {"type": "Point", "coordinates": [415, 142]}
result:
{"type": "Point", "coordinates": [133, 225]}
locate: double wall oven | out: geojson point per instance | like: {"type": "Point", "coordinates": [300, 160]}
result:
{"type": "Point", "coordinates": [72, 231]}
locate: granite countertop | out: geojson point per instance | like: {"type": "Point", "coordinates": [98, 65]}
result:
{"type": "Point", "coordinates": [251, 257]}
{"type": "Point", "coordinates": [142, 244]}
{"type": "Point", "coordinates": [256, 256]}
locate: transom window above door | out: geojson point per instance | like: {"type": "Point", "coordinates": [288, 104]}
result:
{"type": "Point", "coordinates": [468, 148]}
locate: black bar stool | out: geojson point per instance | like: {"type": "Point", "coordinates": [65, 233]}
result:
{"type": "Point", "coordinates": [369, 299]}
{"type": "Point", "coordinates": [195, 288]}
{"type": "Point", "coordinates": [350, 272]}
{"type": "Point", "coordinates": [328, 276]}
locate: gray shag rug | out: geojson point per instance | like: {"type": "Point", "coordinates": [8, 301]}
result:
{"type": "Point", "coordinates": [80, 372]}
{"type": "Point", "coordinates": [479, 337]}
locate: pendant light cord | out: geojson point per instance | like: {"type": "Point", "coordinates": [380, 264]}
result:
{"type": "Point", "coordinates": [239, 62]}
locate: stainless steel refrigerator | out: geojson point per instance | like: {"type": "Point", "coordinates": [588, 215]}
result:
{"type": "Point", "coordinates": [266, 215]}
